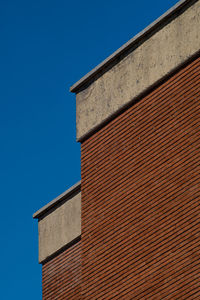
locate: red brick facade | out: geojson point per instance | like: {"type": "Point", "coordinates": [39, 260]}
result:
{"type": "Point", "coordinates": [61, 275]}
{"type": "Point", "coordinates": [140, 197]}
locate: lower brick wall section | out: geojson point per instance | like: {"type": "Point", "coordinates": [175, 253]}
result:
{"type": "Point", "coordinates": [61, 275]}
{"type": "Point", "coordinates": [140, 197]}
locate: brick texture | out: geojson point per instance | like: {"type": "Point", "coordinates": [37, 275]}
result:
{"type": "Point", "coordinates": [61, 275]}
{"type": "Point", "coordinates": [140, 197]}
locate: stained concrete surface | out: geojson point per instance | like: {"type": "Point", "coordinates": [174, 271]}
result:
{"type": "Point", "coordinates": [156, 57]}
{"type": "Point", "coordinates": [59, 227]}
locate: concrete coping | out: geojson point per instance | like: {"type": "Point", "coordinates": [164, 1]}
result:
{"type": "Point", "coordinates": [136, 68]}
{"type": "Point", "coordinates": [158, 23]}
{"type": "Point", "coordinates": [55, 202]}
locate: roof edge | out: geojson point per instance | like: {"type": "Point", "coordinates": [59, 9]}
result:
{"type": "Point", "coordinates": [173, 10]}
{"type": "Point", "coordinates": [65, 195]}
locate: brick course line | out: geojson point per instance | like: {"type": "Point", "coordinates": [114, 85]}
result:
{"type": "Point", "coordinates": [62, 275]}
{"type": "Point", "coordinates": [138, 295]}
{"type": "Point", "coordinates": [193, 126]}
{"type": "Point", "coordinates": [121, 275]}
{"type": "Point", "coordinates": [131, 183]}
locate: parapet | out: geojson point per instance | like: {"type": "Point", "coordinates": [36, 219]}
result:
{"type": "Point", "coordinates": [59, 222]}
{"type": "Point", "coordinates": [137, 66]}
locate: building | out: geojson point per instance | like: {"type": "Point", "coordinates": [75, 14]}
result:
{"type": "Point", "coordinates": [130, 229]}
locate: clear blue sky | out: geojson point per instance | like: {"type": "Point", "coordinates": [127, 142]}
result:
{"type": "Point", "coordinates": [46, 46]}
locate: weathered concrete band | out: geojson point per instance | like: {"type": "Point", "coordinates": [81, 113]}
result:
{"type": "Point", "coordinates": [138, 65]}
{"type": "Point", "coordinates": [59, 222]}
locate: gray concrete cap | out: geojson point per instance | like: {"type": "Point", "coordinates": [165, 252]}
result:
{"type": "Point", "coordinates": [142, 34]}
{"type": "Point", "coordinates": [59, 223]}
{"type": "Point", "coordinates": [42, 211]}
{"type": "Point", "coordinates": [154, 54]}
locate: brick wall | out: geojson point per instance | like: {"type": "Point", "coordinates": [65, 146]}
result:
{"type": "Point", "coordinates": [140, 197]}
{"type": "Point", "coordinates": [61, 275]}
